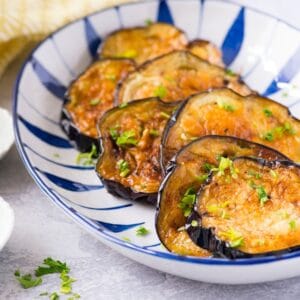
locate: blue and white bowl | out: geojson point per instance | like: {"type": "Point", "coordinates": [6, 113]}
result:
{"type": "Point", "coordinates": [260, 46]}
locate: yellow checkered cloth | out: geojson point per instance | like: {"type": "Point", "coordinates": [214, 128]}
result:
{"type": "Point", "coordinates": [22, 21]}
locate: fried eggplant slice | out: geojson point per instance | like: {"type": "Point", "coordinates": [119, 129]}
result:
{"type": "Point", "coordinates": [89, 97]}
{"type": "Point", "coordinates": [185, 175]}
{"type": "Point", "coordinates": [143, 43]}
{"type": "Point", "coordinates": [224, 112]}
{"type": "Point", "coordinates": [249, 207]}
{"type": "Point", "coordinates": [207, 51]}
{"type": "Point", "coordinates": [175, 76]}
{"type": "Point", "coordinates": [130, 138]}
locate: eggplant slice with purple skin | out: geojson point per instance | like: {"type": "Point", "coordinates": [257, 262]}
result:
{"type": "Point", "coordinates": [130, 139]}
{"type": "Point", "coordinates": [186, 173]}
{"type": "Point", "coordinates": [248, 208]}
{"type": "Point", "coordinates": [143, 43]}
{"type": "Point", "coordinates": [176, 76]}
{"type": "Point", "coordinates": [207, 51]}
{"type": "Point", "coordinates": [224, 112]}
{"type": "Point", "coordinates": [89, 97]}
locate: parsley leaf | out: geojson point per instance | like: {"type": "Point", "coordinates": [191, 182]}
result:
{"type": "Point", "coordinates": [142, 231]}
{"type": "Point", "coordinates": [261, 193]}
{"type": "Point", "coordinates": [50, 266]}
{"type": "Point", "coordinates": [123, 167]}
{"type": "Point", "coordinates": [27, 281]}
{"type": "Point", "coordinates": [54, 296]}
{"type": "Point", "coordinates": [224, 164]}
{"type": "Point", "coordinates": [160, 91]}
{"type": "Point", "coordinates": [229, 72]}
{"type": "Point", "coordinates": [187, 201]}
{"type": "Point", "coordinates": [127, 138]}
{"type": "Point", "coordinates": [267, 112]}
{"type": "Point", "coordinates": [66, 283]}
{"type": "Point", "coordinates": [226, 106]}
{"type": "Point", "coordinates": [95, 101]}
{"type": "Point", "coordinates": [87, 158]}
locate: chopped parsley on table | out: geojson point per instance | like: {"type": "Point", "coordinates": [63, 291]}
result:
{"type": "Point", "coordinates": [49, 266]}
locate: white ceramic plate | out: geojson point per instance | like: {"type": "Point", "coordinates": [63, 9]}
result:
{"type": "Point", "coordinates": [6, 132]}
{"type": "Point", "coordinates": [264, 49]}
{"type": "Point", "coordinates": [6, 222]}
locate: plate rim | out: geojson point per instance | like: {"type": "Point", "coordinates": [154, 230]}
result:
{"type": "Point", "coordinates": [84, 221]}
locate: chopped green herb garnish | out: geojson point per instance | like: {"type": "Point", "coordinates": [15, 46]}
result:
{"type": "Point", "coordinates": [123, 166]}
{"type": "Point", "coordinates": [87, 158]}
{"type": "Point", "coordinates": [56, 155]}
{"type": "Point", "coordinates": [126, 138]}
{"type": "Point", "coordinates": [194, 223]}
{"type": "Point", "coordinates": [202, 178]}
{"type": "Point", "coordinates": [235, 238]}
{"type": "Point", "coordinates": [74, 296]}
{"type": "Point", "coordinates": [208, 167]}
{"type": "Point", "coordinates": [278, 131]}
{"type": "Point", "coordinates": [160, 92]}
{"type": "Point", "coordinates": [50, 266]}
{"type": "Point", "coordinates": [284, 94]}
{"type": "Point", "coordinates": [226, 106]}
{"type": "Point", "coordinates": [142, 231]}
{"type": "Point", "coordinates": [229, 72]}
{"type": "Point", "coordinates": [165, 115]}
{"type": "Point", "coordinates": [267, 112]}
{"type": "Point", "coordinates": [187, 201]}
{"type": "Point", "coordinates": [54, 296]}
{"type": "Point", "coordinates": [269, 136]}
{"type": "Point", "coordinates": [273, 174]}
{"type": "Point", "coordinates": [95, 101]}
{"type": "Point", "coordinates": [126, 239]}
{"type": "Point", "coordinates": [237, 243]}
{"type": "Point", "coordinates": [148, 22]}
{"type": "Point", "coordinates": [292, 224]}
{"type": "Point", "coordinates": [224, 164]}
{"type": "Point", "coordinates": [113, 133]}
{"type": "Point", "coordinates": [254, 174]}
{"type": "Point", "coordinates": [122, 105]}
{"type": "Point", "coordinates": [261, 193]}
{"type": "Point", "coordinates": [154, 132]}
{"type": "Point", "coordinates": [44, 294]}
{"type": "Point", "coordinates": [27, 281]}
{"type": "Point", "coordinates": [66, 283]}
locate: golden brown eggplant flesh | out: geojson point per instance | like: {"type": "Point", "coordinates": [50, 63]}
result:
{"type": "Point", "coordinates": [249, 208]}
{"type": "Point", "coordinates": [130, 138]}
{"type": "Point", "coordinates": [89, 97]}
{"type": "Point", "coordinates": [207, 51]}
{"type": "Point", "coordinates": [143, 43]}
{"type": "Point", "coordinates": [189, 170]}
{"type": "Point", "coordinates": [175, 76]}
{"type": "Point", "coordinates": [224, 112]}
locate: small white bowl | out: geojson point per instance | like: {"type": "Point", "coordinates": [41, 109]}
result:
{"type": "Point", "coordinates": [6, 132]}
{"type": "Point", "coordinates": [7, 220]}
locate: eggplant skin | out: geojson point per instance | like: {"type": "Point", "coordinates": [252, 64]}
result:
{"type": "Point", "coordinates": [181, 174]}
{"type": "Point", "coordinates": [81, 142]}
{"type": "Point", "coordinates": [143, 43]}
{"type": "Point", "coordinates": [224, 112]}
{"type": "Point", "coordinates": [176, 76]}
{"type": "Point", "coordinates": [141, 123]}
{"type": "Point", "coordinates": [207, 51]}
{"type": "Point", "coordinates": [88, 97]}
{"type": "Point", "coordinates": [287, 239]}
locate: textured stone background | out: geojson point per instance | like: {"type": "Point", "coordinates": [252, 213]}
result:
{"type": "Point", "coordinates": [43, 230]}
